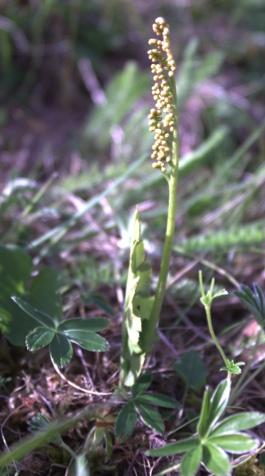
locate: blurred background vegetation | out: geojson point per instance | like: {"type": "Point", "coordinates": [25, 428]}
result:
{"type": "Point", "coordinates": [74, 74]}
{"type": "Point", "coordinates": [75, 94]}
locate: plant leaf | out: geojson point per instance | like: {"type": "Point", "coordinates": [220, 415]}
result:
{"type": "Point", "coordinates": [138, 307]}
{"type": "Point", "coordinates": [191, 462]}
{"type": "Point", "coordinates": [125, 421]}
{"type": "Point", "coordinates": [202, 426]}
{"type": "Point", "coordinates": [239, 422]}
{"type": "Point", "coordinates": [158, 399]}
{"type": "Point", "coordinates": [44, 298]}
{"type": "Point", "coordinates": [37, 315]}
{"type": "Point", "coordinates": [38, 338]}
{"type": "Point", "coordinates": [151, 417]}
{"type": "Point", "coordinates": [216, 460]}
{"type": "Point", "coordinates": [90, 325]}
{"type": "Point", "coordinates": [143, 383]}
{"type": "Point", "coordinates": [44, 293]}
{"type": "Point", "coordinates": [219, 401]}
{"type": "Point", "coordinates": [172, 449]}
{"type": "Point", "coordinates": [61, 350]}
{"type": "Point", "coordinates": [15, 270]}
{"type": "Point", "coordinates": [254, 301]}
{"type": "Point", "coordinates": [237, 443]}
{"type": "Point", "coordinates": [88, 340]}
{"type": "Point", "coordinates": [192, 370]}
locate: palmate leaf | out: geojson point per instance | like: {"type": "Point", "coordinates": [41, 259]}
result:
{"type": "Point", "coordinates": [216, 460]}
{"type": "Point", "coordinates": [239, 422]}
{"type": "Point", "coordinates": [39, 338]}
{"type": "Point", "coordinates": [172, 449]}
{"type": "Point", "coordinates": [90, 341]}
{"type": "Point", "coordinates": [43, 298]}
{"type": "Point", "coordinates": [219, 402]}
{"type": "Point", "coordinates": [157, 399]}
{"type": "Point", "coordinates": [38, 316]}
{"type": "Point", "coordinates": [202, 426]}
{"type": "Point", "coordinates": [150, 416]}
{"type": "Point", "coordinates": [61, 350]}
{"type": "Point", "coordinates": [143, 383]}
{"type": "Point", "coordinates": [125, 421]}
{"type": "Point", "coordinates": [191, 462]}
{"type": "Point", "coordinates": [236, 443]}
{"type": "Point", "coordinates": [82, 332]}
{"type": "Point", "coordinates": [84, 325]}
{"type": "Point", "coordinates": [214, 439]}
{"type": "Point", "coordinates": [15, 270]}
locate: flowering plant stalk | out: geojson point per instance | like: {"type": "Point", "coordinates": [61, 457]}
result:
{"type": "Point", "coordinates": [164, 123]}
{"type": "Point", "coordinates": [142, 311]}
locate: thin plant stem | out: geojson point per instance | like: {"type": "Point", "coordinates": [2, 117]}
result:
{"type": "Point", "coordinates": [77, 387]}
{"type": "Point", "coordinates": [213, 335]}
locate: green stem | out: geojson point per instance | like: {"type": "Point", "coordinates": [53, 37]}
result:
{"type": "Point", "coordinates": [212, 333]}
{"type": "Point", "coordinates": [172, 180]}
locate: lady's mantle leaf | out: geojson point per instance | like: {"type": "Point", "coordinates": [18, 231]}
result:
{"type": "Point", "coordinates": [239, 422]}
{"type": "Point", "coordinates": [216, 460]}
{"type": "Point", "coordinates": [202, 426]}
{"type": "Point", "coordinates": [172, 449]}
{"type": "Point", "coordinates": [219, 401]}
{"type": "Point", "coordinates": [191, 461]}
{"type": "Point", "coordinates": [236, 443]}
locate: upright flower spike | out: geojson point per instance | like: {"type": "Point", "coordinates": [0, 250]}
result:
{"type": "Point", "coordinates": [142, 308]}
{"type": "Point", "coordinates": [162, 118]}
{"type": "Point", "coordinates": [165, 156]}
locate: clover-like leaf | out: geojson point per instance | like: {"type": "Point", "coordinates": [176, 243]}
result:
{"type": "Point", "coordinates": [15, 269]}
{"type": "Point", "coordinates": [94, 324]}
{"type": "Point", "coordinates": [61, 350]}
{"type": "Point", "coordinates": [82, 332]}
{"type": "Point", "coordinates": [126, 421]}
{"type": "Point", "coordinates": [143, 383]}
{"type": "Point", "coordinates": [90, 341]}
{"type": "Point", "coordinates": [39, 316]}
{"type": "Point", "coordinates": [157, 399]}
{"type": "Point", "coordinates": [39, 338]}
{"type": "Point", "coordinates": [40, 306]}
